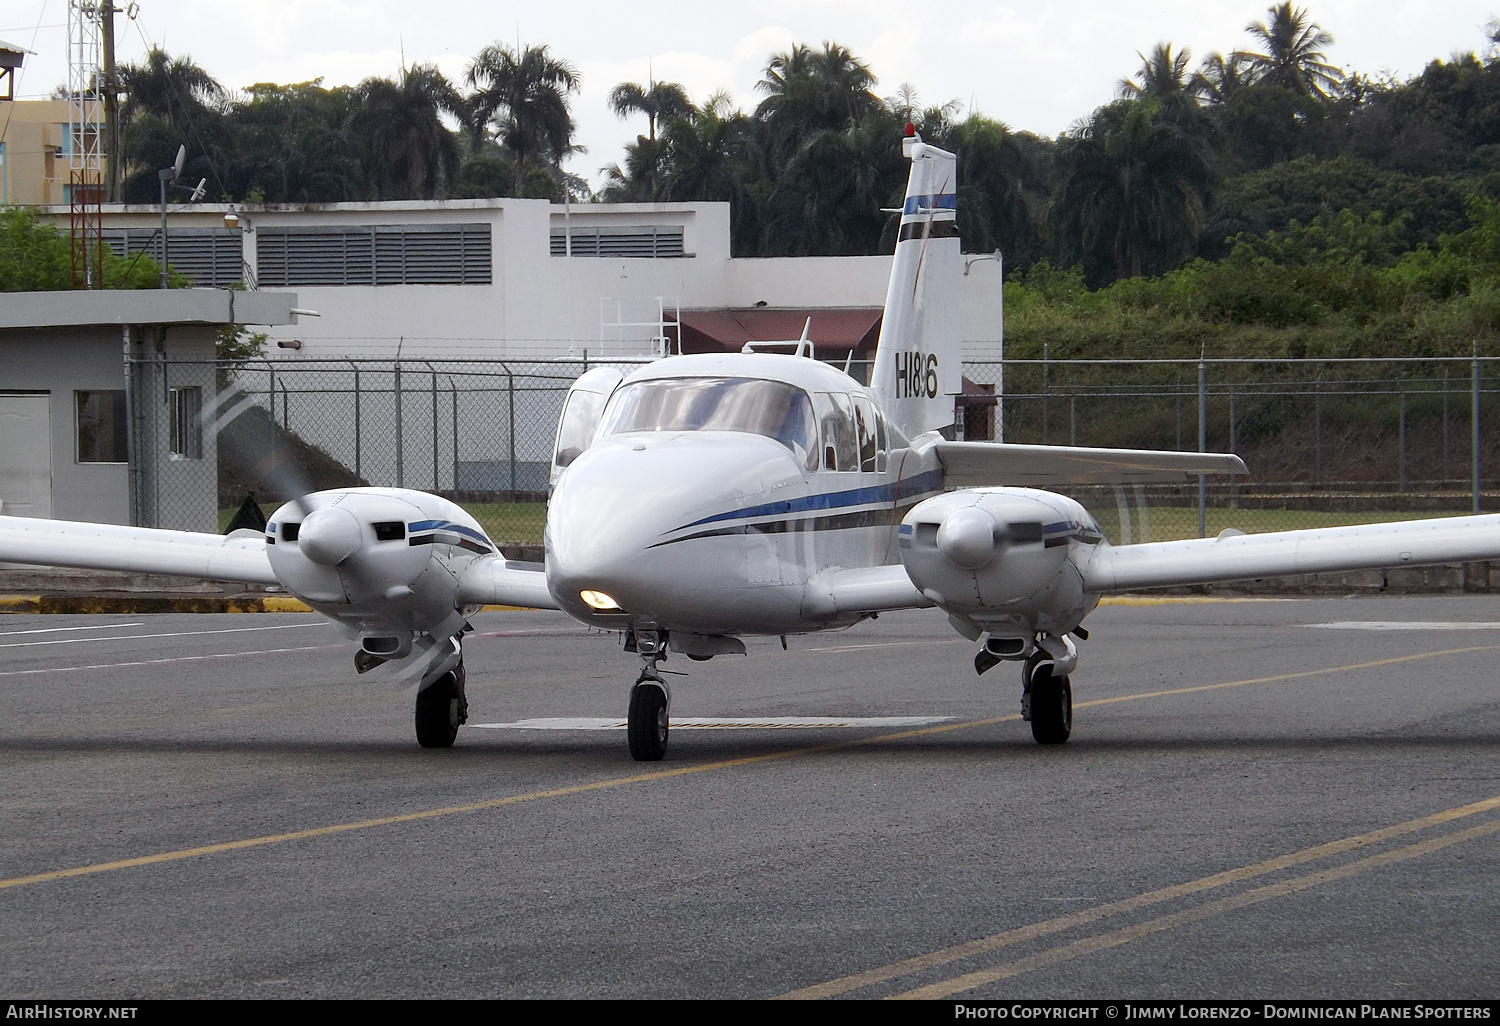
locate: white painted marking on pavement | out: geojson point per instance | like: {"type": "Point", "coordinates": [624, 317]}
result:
{"type": "Point", "coordinates": [718, 722]}
{"type": "Point", "coordinates": [1408, 625]}
{"type": "Point", "coordinates": [54, 630]}
{"type": "Point", "coordinates": [175, 634]}
{"type": "Point", "coordinates": [173, 659]}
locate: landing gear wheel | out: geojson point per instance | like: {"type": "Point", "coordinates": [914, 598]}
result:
{"type": "Point", "coordinates": [441, 707]}
{"type": "Point", "coordinates": [647, 725]}
{"type": "Point", "coordinates": [1051, 704]}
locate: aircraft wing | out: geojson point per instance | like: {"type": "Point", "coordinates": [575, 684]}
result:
{"type": "Point", "coordinates": [982, 464]}
{"type": "Point", "coordinates": [861, 590]}
{"type": "Point", "coordinates": [502, 582]}
{"type": "Point", "coordinates": [1324, 550]}
{"type": "Point", "coordinates": [135, 549]}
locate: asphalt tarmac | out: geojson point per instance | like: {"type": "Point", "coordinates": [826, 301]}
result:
{"type": "Point", "coordinates": [1251, 806]}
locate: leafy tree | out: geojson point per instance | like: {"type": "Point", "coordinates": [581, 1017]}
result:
{"type": "Point", "coordinates": [1131, 193]}
{"type": "Point", "coordinates": [523, 97]}
{"type": "Point", "coordinates": [36, 256]}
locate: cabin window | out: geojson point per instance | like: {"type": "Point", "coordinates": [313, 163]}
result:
{"type": "Point", "coordinates": [864, 425]}
{"type": "Point", "coordinates": [580, 416]}
{"type": "Point", "coordinates": [840, 439]}
{"type": "Point", "coordinates": [754, 405]}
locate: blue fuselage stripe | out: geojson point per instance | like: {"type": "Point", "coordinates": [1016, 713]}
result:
{"type": "Point", "coordinates": [918, 484]}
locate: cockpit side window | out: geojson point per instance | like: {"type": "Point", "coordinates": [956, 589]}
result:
{"type": "Point", "coordinates": [864, 423]}
{"type": "Point", "coordinates": [576, 430]}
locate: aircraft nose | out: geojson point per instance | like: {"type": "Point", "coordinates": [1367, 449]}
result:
{"type": "Point", "coordinates": [330, 535]}
{"type": "Point", "coordinates": [622, 499]}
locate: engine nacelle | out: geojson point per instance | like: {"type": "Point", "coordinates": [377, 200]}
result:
{"type": "Point", "coordinates": [996, 560]}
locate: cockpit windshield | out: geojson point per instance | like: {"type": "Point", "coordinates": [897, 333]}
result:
{"type": "Point", "coordinates": [771, 408]}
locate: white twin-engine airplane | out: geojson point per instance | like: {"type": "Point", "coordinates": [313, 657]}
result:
{"type": "Point", "coordinates": [702, 499]}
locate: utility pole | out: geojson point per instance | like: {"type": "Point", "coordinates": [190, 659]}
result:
{"type": "Point", "coordinates": [111, 88]}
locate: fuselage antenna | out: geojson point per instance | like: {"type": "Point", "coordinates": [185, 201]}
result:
{"type": "Point", "coordinates": [805, 340]}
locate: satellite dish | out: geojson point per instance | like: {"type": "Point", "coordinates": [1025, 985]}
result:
{"type": "Point", "coordinates": [177, 164]}
{"type": "Point", "coordinates": [198, 191]}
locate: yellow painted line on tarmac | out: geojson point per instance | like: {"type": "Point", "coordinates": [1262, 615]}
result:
{"type": "Point", "coordinates": [1124, 935]}
{"type": "Point", "coordinates": [20, 603]}
{"type": "Point", "coordinates": [1047, 927]}
{"type": "Point", "coordinates": [680, 771]}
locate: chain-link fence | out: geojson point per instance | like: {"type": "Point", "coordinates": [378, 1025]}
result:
{"type": "Point", "coordinates": [1327, 442]}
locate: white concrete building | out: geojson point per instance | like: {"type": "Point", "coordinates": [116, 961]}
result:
{"type": "Point", "coordinates": [493, 278]}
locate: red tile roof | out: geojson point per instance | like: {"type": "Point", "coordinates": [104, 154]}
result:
{"type": "Point", "coordinates": [836, 330]}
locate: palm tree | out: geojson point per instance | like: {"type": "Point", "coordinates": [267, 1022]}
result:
{"type": "Point", "coordinates": [659, 101]}
{"type": "Point", "coordinates": [1163, 74]}
{"type": "Point", "coordinates": [1132, 191]}
{"type": "Point", "coordinates": [172, 88]}
{"type": "Point", "coordinates": [411, 153]}
{"type": "Point", "coordinates": [809, 91]}
{"type": "Point", "coordinates": [1292, 53]}
{"type": "Point", "coordinates": [1219, 77]}
{"type": "Point", "coordinates": [524, 96]}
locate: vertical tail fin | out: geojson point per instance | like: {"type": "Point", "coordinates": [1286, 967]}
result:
{"type": "Point", "coordinates": [918, 362]}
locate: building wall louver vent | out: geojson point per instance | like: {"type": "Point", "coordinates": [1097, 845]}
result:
{"type": "Point", "coordinates": [383, 254]}
{"type": "Point", "coordinates": [624, 241]}
{"type": "Point", "coordinates": [209, 257]}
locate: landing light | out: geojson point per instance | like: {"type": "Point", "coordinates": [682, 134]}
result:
{"type": "Point", "coordinates": [600, 601]}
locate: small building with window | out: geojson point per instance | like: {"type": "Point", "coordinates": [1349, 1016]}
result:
{"type": "Point", "coordinates": [102, 402]}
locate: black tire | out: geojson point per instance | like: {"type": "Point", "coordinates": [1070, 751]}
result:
{"type": "Point", "coordinates": [647, 724]}
{"type": "Point", "coordinates": [1051, 706]}
{"type": "Point", "coordinates": [437, 719]}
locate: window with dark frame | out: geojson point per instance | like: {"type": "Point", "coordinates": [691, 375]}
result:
{"type": "Point", "coordinates": [185, 426]}
{"type": "Point", "coordinates": [101, 426]}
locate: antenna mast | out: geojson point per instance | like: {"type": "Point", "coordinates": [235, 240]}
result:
{"type": "Point", "coordinates": [85, 141]}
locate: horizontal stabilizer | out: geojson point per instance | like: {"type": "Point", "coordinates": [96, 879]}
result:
{"type": "Point", "coordinates": [140, 550]}
{"type": "Point", "coordinates": [1324, 550]}
{"type": "Point", "coordinates": [862, 590]}
{"type": "Point", "coordinates": [496, 582]}
{"type": "Point", "coordinates": [987, 464]}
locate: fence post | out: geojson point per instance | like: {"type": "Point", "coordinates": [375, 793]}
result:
{"type": "Point", "coordinates": [511, 379]}
{"type": "Point", "coordinates": [436, 482]}
{"type": "Point", "coordinates": [1073, 419]}
{"type": "Point", "coordinates": [271, 412]}
{"type": "Point", "coordinates": [1401, 436]}
{"type": "Point", "coordinates": [1234, 483]}
{"type": "Point", "coordinates": [1474, 426]}
{"type": "Point", "coordinates": [1202, 447]}
{"type": "Point", "coordinates": [358, 476]}
{"type": "Point", "coordinates": [1318, 432]}
{"type": "Point", "coordinates": [454, 385]}
{"type": "Point", "coordinates": [400, 436]}
{"type": "Point", "coordinates": [1446, 475]}
{"type": "Point", "coordinates": [1045, 369]}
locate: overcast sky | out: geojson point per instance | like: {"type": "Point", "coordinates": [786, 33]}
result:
{"type": "Point", "coordinates": [1036, 66]}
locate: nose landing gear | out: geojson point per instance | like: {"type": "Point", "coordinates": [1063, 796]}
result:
{"type": "Point", "coordinates": [1047, 700]}
{"type": "Point", "coordinates": [442, 706]}
{"type": "Point", "coordinates": [650, 699]}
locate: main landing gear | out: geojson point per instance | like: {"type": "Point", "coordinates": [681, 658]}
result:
{"type": "Point", "coordinates": [646, 725]}
{"type": "Point", "coordinates": [442, 706]}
